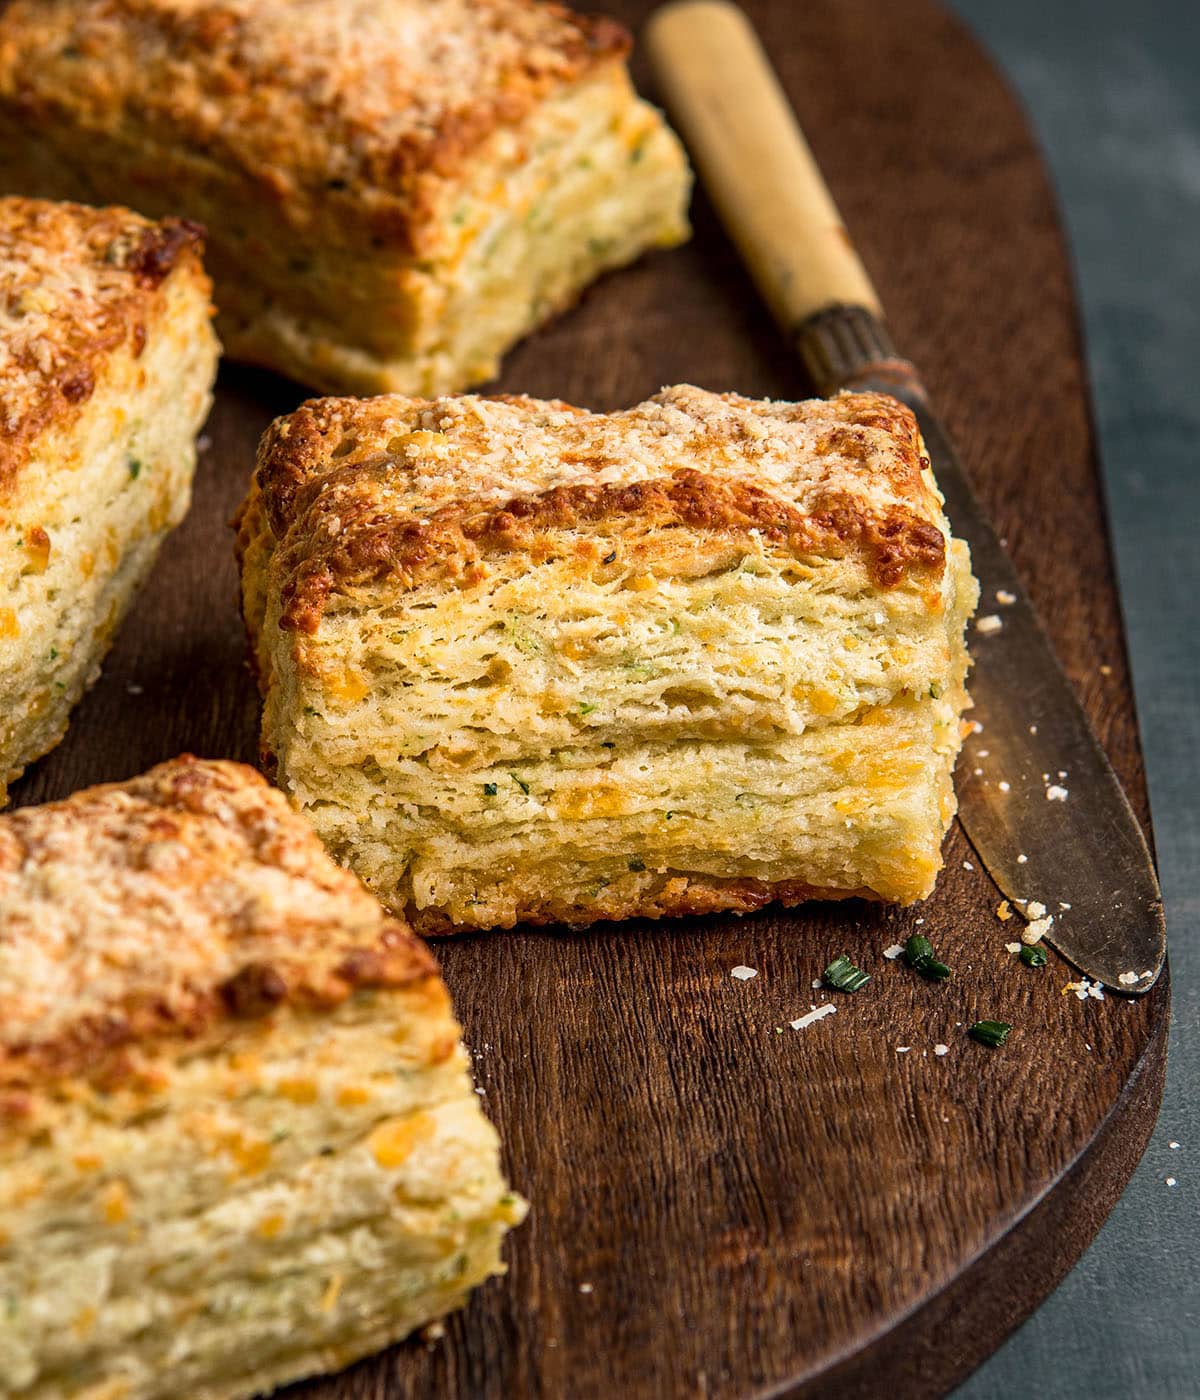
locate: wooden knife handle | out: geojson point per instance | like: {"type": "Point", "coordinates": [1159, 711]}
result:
{"type": "Point", "coordinates": [756, 165]}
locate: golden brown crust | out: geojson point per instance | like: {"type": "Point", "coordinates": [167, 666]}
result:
{"type": "Point", "coordinates": [76, 284]}
{"type": "Point", "coordinates": [410, 490]}
{"type": "Point", "coordinates": [382, 100]}
{"type": "Point", "coordinates": [153, 911]}
{"type": "Point", "coordinates": [672, 896]}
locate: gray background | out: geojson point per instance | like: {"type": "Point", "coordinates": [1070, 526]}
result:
{"type": "Point", "coordinates": [1113, 89]}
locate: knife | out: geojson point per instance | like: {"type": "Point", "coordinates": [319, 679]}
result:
{"type": "Point", "coordinates": [1038, 799]}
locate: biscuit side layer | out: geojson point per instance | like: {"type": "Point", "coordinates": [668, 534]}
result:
{"type": "Point", "coordinates": [99, 488]}
{"type": "Point", "coordinates": [285, 1202]}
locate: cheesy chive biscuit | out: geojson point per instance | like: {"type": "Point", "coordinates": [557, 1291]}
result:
{"type": "Point", "coordinates": [524, 662]}
{"type": "Point", "coordinates": [396, 190]}
{"type": "Point", "coordinates": [107, 359]}
{"type": "Point", "coordinates": [238, 1141]}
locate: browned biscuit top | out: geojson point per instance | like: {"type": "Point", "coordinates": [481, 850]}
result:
{"type": "Point", "coordinates": [75, 285]}
{"type": "Point", "coordinates": [322, 96]}
{"type": "Point", "coordinates": [407, 489]}
{"type": "Point", "coordinates": [147, 913]}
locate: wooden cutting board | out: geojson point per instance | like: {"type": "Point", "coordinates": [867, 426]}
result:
{"type": "Point", "coordinates": [722, 1207]}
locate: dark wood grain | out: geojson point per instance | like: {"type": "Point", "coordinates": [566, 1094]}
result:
{"type": "Point", "coordinates": [757, 1211]}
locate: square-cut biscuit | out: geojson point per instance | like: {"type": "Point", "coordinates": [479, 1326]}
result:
{"type": "Point", "coordinates": [523, 662]}
{"type": "Point", "coordinates": [107, 358]}
{"type": "Point", "coordinates": [395, 190]}
{"type": "Point", "coordinates": [238, 1141]}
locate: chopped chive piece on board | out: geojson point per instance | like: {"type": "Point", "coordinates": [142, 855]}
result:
{"type": "Point", "coordinates": [843, 976]}
{"type": "Point", "coordinates": [1033, 955]}
{"type": "Point", "coordinates": [991, 1033]}
{"type": "Point", "coordinates": [918, 953]}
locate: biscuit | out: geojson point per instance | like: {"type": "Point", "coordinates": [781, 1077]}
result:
{"type": "Point", "coordinates": [524, 662]}
{"type": "Point", "coordinates": [395, 190]}
{"type": "Point", "coordinates": [107, 358]}
{"type": "Point", "coordinates": [239, 1142]}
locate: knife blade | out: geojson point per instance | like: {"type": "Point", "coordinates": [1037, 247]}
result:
{"type": "Point", "coordinates": [1038, 798]}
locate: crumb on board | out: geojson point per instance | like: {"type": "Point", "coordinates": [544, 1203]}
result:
{"type": "Point", "coordinates": [1056, 793]}
{"type": "Point", "coordinates": [1171, 1181]}
{"type": "Point", "coordinates": [988, 624]}
{"type": "Point", "coordinates": [1022, 858]}
{"type": "Point", "coordinates": [903, 1049]}
{"type": "Point", "coordinates": [585, 1288]}
{"type": "Point", "coordinates": [802, 1023]}
{"type": "Point", "coordinates": [941, 1049]}
{"type": "Point", "coordinates": [1084, 989]}
{"type": "Point", "coordinates": [1036, 930]}
{"type": "Point", "coordinates": [1003, 786]}
{"type": "Point", "coordinates": [743, 973]}
{"type": "Point", "coordinates": [895, 951]}
{"type": "Point", "coordinates": [1013, 947]}
{"type": "Point", "coordinates": [1004, 911]}
{"type": "Point", "coordinates": [1005, 598]}
{"type": "Point", "coordinates": [1127, 979]}
{"type": "Point", "coordinates": [1035, 909]}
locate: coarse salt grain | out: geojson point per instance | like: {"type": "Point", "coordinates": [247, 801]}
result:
{"type": "Point", "coordinates": [903, 1049]}
{"type": "Point", "coordinates": [895, 951]}
{"type": "Point", "coordinates": [990, 623]}
{"type": "Point", "coordinates": [967, 865]}
{"type": "Point", "coordinates": [1174, 1146]}
{"type": "Point", "coordinates": [1036, 930]}
{"type": "Point", "coordinates": [940, 1049]}
{"type": "Point", "coordinates": [585, 1288]}
{"type": "Point", "coordinates": [1004, 787]}
{"type": "Point", "coordinates": [1022, 858]}
{"type": "Point", "coordinates": [743, 973]}
{"type": "Point", "coordinates": [802, 1023]}
{"type": "Point", "coordinates": [1170, 1181]}
{"type": "Point", "coordinates": [1056, 793]}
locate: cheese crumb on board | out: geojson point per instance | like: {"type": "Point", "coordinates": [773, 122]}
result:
{"type": "Point", "coordinates": [1084, 989]}
{"type": "Point", "coordinates": [894, 952]}
{"type": "Point", "coordinates": [988, 624]}
{"type": "Point", "coordinates": [940, 1049]}
{"type": "Point", "coordinates": [802, 1023]}
{"type": "Point", "coordinates": [1037, 929]}
{"type": "Point", "coordinates": [743, 973]}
